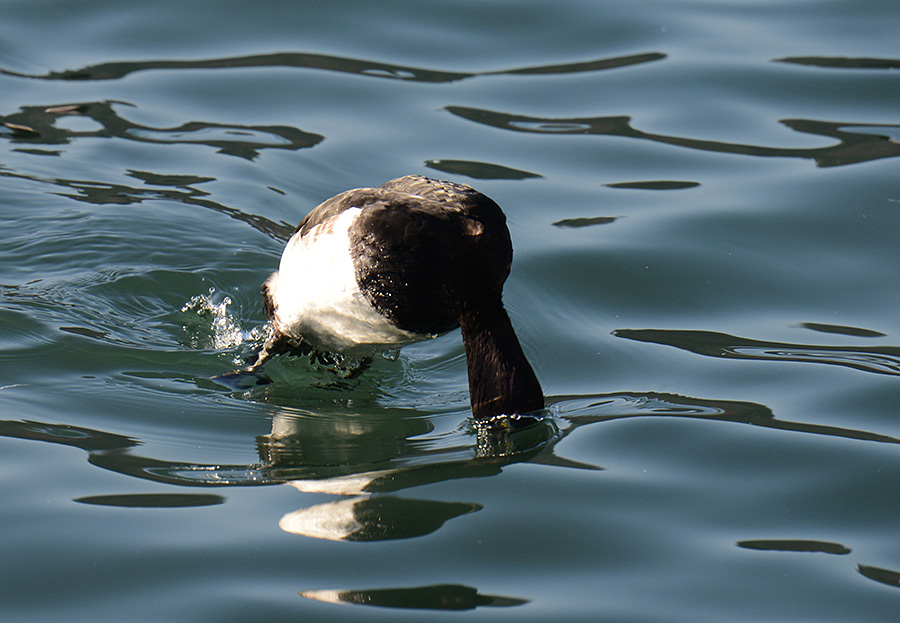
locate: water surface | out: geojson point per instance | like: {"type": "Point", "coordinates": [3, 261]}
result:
{"type": "Point", "coordinates": [704, 205]}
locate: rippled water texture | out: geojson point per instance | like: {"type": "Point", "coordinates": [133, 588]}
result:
{"type": "Point", "coordinates": [704, 203]}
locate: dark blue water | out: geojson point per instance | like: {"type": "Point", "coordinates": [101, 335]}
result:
{"type": "Point", "coordinates": [704, 203]}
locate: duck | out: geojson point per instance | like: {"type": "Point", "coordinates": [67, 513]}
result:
{"type": "Point", "coordinates": [374, 269]}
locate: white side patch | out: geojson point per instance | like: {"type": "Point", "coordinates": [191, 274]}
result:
{"type": "Point", "coordinates": [316, 295]}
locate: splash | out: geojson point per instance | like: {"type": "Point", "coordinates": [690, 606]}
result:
{"type": "Point", "coordinates": [211, 324]}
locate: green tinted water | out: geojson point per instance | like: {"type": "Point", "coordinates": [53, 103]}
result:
{"type": "Point", "coordinates": [703, 200]}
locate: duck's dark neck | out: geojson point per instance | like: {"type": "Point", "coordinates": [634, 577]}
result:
{"type": "Point", "coordinates": [501, 381]}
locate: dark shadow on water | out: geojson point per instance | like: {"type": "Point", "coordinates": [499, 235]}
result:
{"type": "Point", "coordinates": [856, 142]}
{"type": "Point", "coordinates": [86, 332]}
{"type": "Point", "coordinates": [436, 597]}
{"type": "Point", "coordinates": [842, 62]}
{"type": "Point", "coordinates": [303, 60]}
{"type": "Point", "coordinates": [626, 405]}
{"type": "Point", "coordinates": [585, 221]}
{"type": "Point", "coordinates": [37, 125]}
{"type": "Point", "coordinates": [841, 330]}
{"type": "Point", "coordinates": [795, 545]}
{"type": "Point", "coordinates": [479, 170]}
{"type": "Point", "coordinates": [654, 185]}
{"type": "Point", "coordinates": [874, 359]}
{"type": "Point", "coordinates": [157, 188]}
{"type": "Point", "coordinates": [887, 577]}
{"type": "Point", "coordinates": [153, 500]}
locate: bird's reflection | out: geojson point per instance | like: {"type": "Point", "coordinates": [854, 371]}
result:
{"type": "Point", "coordinates": [373, 518]}
{"type": "Point", "coordinates": [367, 461]}
{"type": "Point", "coordinates": [333, 441]}
{"type": "Point", "coordinates": [366, 457]}
{"type": "Point", "coordinates": [350, 455]}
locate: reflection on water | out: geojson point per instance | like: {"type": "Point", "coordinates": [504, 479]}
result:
{"type": "Point", "coordinates": [369, 460]}
{"type": "Point", "coordinates": [438, 597]}
{"type": "Point", "coordinates": [855, 141]}
{"type": "Point", "coordinates": [479, 170]}
{"type": "Point", "coordinates": [302, 60]}
{"type": "Point", "coordinates": [113, 222]}
{"type": "Point", "coordinates": [342, 455]}
{"type": "Point", "coordinates": [389, 454]}
{"type": "Point", "coordinates": [585, 221]}
{"type": "Point", "coordinates": [153, 500]}
{"type": "Point", "coordinates": [875, 359]}
{"type": "Point", "coordinates": [795, 545]}
{"type": "Point", "coordinates": [842, 62]}
{"type": "Point", "coordinates": [655, 185]}
{"type": "Point", "coordinates": [841, 329]}
{"type": "Point", "coordinates": [178, 188]}
{"type": "Point", "coordinates": [37, 125]}
{"type": "Point", "coordinates": [882, 576]}
{"type": "Point", "coordinates": [373, 518]}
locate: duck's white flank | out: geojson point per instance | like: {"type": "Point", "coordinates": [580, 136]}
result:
{"type": "Point", "coordinates": [316, 296]}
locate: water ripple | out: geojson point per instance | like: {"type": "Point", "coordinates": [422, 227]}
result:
{"type": "Point", "coordinates": [437, 597]}
{"type": "Point", "coordinates": [479, 170]}
{"type": "Point", "coordinates": [888, 577]}
{"type": "Point", "coordinates": [855, 141]}
{"type": "Point", "coordinates": [339, 454]}
{"type": "Point", "coordinates": [874, 359]}
{"type": "Point", "coordinates": [153, 500]}
{"type": "Point", "coordinates": [38, 125]}
{"type": "Point", "coordinates": [302, 60]}
{"type": "Point", "coordinates": [654, 185]}
{"type": "Point", "coordinates": [842, 62]}
{"type": "Point", "coordinates": [795, 545]}
{"type": "Point", "coordinates": [177, 188]}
